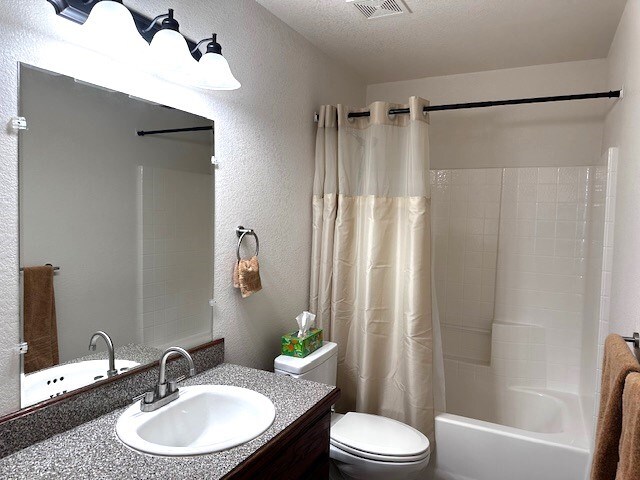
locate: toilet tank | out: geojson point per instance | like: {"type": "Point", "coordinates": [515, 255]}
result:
{"type": "Point", "coordinates": [321, 366]}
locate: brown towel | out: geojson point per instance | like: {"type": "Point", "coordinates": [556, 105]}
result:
{"type": "Point", "coordinates": [617, 364]}
{"type": "Point", "coordinates": [236, 276]}
{"type": "Point", "coordinates": [246, 276]}
{"type": "Point", "coordinates": [629, 466]}
{"type": "Point", "coordinates": [40, 328]}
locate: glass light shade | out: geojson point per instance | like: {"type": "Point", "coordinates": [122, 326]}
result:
{"type": "Point", "coordinates": [214, 73]}
{"type": "Point", "coordinates": [110, 29]}
{"type": "Point", "coordinates": [170, 50]}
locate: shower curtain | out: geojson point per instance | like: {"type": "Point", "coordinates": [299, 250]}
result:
{"type": "Point", "coordinates": [371, 259]}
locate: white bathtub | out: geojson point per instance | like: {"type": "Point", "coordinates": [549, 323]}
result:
{"type": "Point", "coordinates": [516, 433]}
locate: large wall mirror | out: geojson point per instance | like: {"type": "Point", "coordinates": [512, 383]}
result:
{"type": "Point", "coordinates": [116, 232]}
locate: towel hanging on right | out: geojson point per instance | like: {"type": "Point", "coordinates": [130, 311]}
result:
{"type": "Point", "coordinates": [246, 276]}
{"type": "Point", "coordinates": [629, 465]}
{"type": "Point", "coordinates": [618, 363]}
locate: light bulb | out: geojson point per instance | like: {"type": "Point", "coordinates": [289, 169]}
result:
{"type": "Point", "coordinates": [111, 30]}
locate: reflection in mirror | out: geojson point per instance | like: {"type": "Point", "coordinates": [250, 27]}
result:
{"type": "Point", "coordinates": [116, 232]}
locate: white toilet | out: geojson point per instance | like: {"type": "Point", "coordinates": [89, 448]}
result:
{"type": "Point", "coordinates": [363, 446]}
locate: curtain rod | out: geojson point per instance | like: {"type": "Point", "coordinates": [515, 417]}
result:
{"type": "Point", "coordinates": [142, 133]}
{"type": "Point", "coordinates": [497, 103]}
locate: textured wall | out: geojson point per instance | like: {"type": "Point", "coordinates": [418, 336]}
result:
{"type": "Point", "coordinates": [621, 130]}
{"type": "Point", "coordinates": [265, 144]}
{"type": "Point", "coordinates": [545, 135]}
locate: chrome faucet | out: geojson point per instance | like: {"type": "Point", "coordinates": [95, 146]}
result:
{"type": "Point", "coordinates": [112, 355]}
{"type": "Point", "coordinates": [165, 391]}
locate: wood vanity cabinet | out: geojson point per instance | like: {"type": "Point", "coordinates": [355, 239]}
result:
{"type": "Point", "coordinates": [301, 451]}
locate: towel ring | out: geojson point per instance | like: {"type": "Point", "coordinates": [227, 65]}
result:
{"type": "Point", "coordinates": [242, 232]}
{"type": "Point", "coordinates": [635, 339]}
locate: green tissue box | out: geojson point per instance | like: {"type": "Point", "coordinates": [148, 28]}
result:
{"type": "Point", "coordinates": [300, 347]}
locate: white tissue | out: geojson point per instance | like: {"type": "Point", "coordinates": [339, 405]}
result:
{"type": "Point", "coordinates": [305, 321]}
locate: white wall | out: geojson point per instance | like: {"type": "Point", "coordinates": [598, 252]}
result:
{"type": "Point", "coordinates": [621, 130]}
{"type": "Point", "coordinates": [264, 142]}
{"type": "Point", "coordinates": [560, 134]}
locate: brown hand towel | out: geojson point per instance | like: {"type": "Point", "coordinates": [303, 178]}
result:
{"type": "Point", "coordinates": [617, 364]}
{"type": "Point", "coordinates": [40, 328]}
{"type": "Point", "coordinates": [246, 276]}
{"type": "Point", "coordinates": [629, 466]}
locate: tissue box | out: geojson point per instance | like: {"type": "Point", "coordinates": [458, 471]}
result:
{"type": "Point", "coordinates": [300, 347]}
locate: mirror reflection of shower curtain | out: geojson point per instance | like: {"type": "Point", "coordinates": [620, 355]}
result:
{"type": "Point", "coordinates": [371, 274]}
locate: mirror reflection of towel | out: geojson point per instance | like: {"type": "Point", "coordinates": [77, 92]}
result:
{"type": "Point", "coordinates": [40, 328]}
{"type": "Point", "coordinates": [246, 276]}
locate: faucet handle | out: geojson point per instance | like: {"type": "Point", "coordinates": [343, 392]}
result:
{"type": "Point", "coordinates": [173, 384]}
{"type": "Point", "coordinates": [146, 397]}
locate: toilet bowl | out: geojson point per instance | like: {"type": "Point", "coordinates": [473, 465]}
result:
{"type": "Point", "coordinates": [363, 446]}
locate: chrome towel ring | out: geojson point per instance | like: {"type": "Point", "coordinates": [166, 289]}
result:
{"type": "Point", "coordinates": [242, 232]}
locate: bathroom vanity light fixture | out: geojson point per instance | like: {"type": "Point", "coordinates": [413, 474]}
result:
{"type": "Point", "coordinates": [113, 29]}
{"type": "Point", "coordinates": [214, 72]}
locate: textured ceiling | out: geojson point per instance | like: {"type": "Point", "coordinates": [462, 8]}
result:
{"type": "Point", "coordinates": [443, 37]}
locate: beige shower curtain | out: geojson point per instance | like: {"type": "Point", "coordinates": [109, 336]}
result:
{"type": "Point", "coordinates": [371, 258]}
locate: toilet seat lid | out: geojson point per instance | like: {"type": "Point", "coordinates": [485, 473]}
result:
{"type": "Point", "coordinates": [379, 438]}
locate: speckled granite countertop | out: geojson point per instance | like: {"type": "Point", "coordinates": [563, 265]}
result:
{"type": "Point", "coordinates": [93, 450]}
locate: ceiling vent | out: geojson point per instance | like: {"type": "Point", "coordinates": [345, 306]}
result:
{"type": "Point", "coordinates": [380, 8]}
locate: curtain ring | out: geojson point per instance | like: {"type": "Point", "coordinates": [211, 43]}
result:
{"type": "Point", "coordinates": [242, 232]}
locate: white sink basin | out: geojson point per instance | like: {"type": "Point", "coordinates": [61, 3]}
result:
{"type": "Point", "coordinates": [55, 381]}
{"type": "Point", "coordinates": [204, 419]}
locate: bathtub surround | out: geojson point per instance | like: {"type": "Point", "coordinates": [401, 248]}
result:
{"type": "Point", "coordinates": [466, 212]}
{"type": "Point", "coordinates": [371, 268]}
{"type": "Point", "coordinates": [545, 244]}
{"type": "Point", "coordinates": [511, 247]}
{"type": "Point", "coordinates": [542, 265]}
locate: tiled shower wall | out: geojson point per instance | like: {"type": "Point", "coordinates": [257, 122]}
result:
{"type": "Point", "coordinates": [466, 212]}
{"type": "Point", "coordinates": [542, 261]}
{"type": "Point", "coordinates": [510, 256]}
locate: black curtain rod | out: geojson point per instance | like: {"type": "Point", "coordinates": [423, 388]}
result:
{"type": "Point", "coordinates": [142, 133]}
{"type": "Point", "coordinates": [497, 103]}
